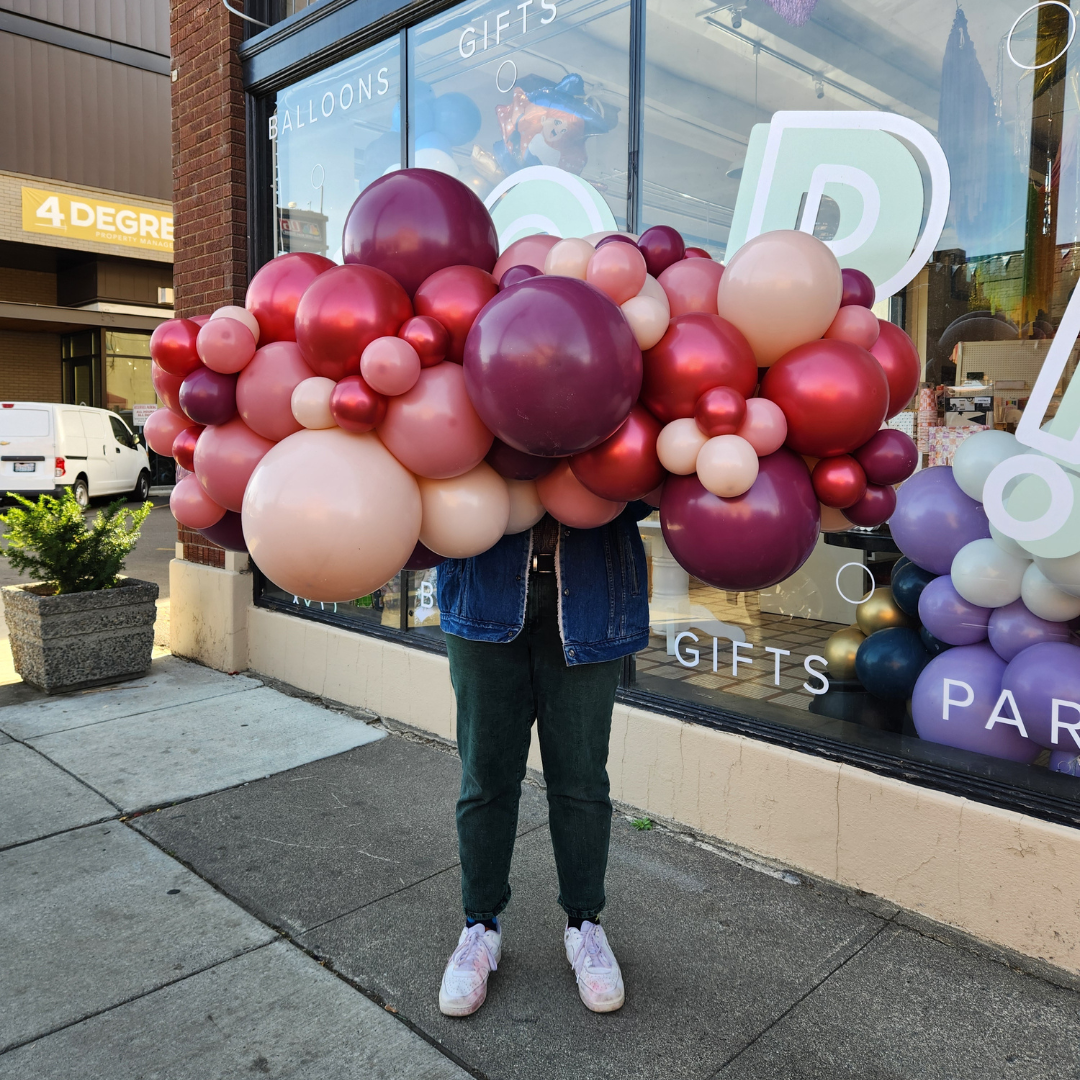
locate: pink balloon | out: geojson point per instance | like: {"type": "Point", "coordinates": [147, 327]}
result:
{"type": "Point", "coordinates": [225, 345]}
{"type": "Point", "coordinates": [433, 430]}
{"type": "Point", "coordinates": [856, 324]}
{"type": "Point", "coordinates": [390, 366]}
{"type": "Point", "coordinates": [240, 314]}
{"type": "Point", "coordinates": [690, 285]}
{"type": "Point", "coordinates": [727, 466]}
{"type": "Point", "coordinates": [191, 506]}
{"type": "Point", "coordinates": [161, 430]}
{"type": "Point", "coordinates": [617, 270]}
{"type": "Point", "coordinates": [765, 426]}
{"type": "Point", "coordinates": [225, 457]}
{"type": "Point", "coordinates": [568, 500]}
{"type": "Point", "coordinates": [679, 444]}
{"type": "Point", "coordinates": [311, 403]}
{"type": "Point", "coordinates": [528, 251]}
{"type": "Point", "coordinates": [648, 318]}
{"type": "Point", "coordinates": [464, 515]}
{"type": "Point", "coordinates": [833, 520]}
{"type": "Point", "coordinates": [569, 258]}
{"type": "Point", "coordinates": [264, 389]}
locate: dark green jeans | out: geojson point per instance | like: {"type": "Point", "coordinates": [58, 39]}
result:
{"type": "Point", "coordinates": [501, 689]}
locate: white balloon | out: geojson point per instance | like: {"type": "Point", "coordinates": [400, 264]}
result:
{"type": "Point", "coordinates": [1064, 573]}
{"type": "Point", "coordinates": [678, 444]}
{"type": "Point", "coordinates": [1008, 544]}
{"type": "Point", "coordinates": [526, 509]}
{"type": "Point", "coordinates": [985, 575]}
{"type": "Point", "coordinates": [241, 315]}
{"type": "Point", "coordinates": [977, 456]}
{"type": "Point", "coordinates": [727, 465]}
{"type": "Point", "coordinates": [1045, 599]}
{"type": "Point", "coordinates": [311, 403]}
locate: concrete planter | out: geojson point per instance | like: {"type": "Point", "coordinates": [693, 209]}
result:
{"type": "Point", "coordinates": [62, 643]}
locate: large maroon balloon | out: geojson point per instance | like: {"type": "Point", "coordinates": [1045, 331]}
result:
{"type": "Point", "coordinates": [515, 465]}
{"type": "Point", "coordinates": [208, 397]}
{"type": "Point", "coordinates": [227, 533]}
{"type": "Point", "coordinates": [661, 245]}
{"type": "Point", "coordinates": [899, 359]}
{"type": "Point", "coordinates": [172, 345]}
{"type": "Point", "coordinates": [344, 311]}
{"type": "Point", "coordinates": [454, 297]}
{"type": "Point", "coordinates": [858, 289]}
{"type": "Point", "coordinates": [833, 394]}
{"type": "Point", "coordinates": [750, 542]}
{"type": "Point", "coordinates": [552, 366]}
{"type": "Point", "coordinates": [624, 467]}
{"type": "Point", "coordinates": [889, 457]}
{"type": "Point", "coordinates": [275, 291]}
{"type": "Point", "coordinates": [413, 222]}
{"type": "Point", "coordinates": [696, 353]}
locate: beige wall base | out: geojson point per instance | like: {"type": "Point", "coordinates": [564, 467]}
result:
{"type": "Point", "coordinates": [1006, 878]}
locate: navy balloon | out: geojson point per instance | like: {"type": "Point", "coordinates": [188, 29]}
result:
{"type": "Point", "coordinates": [457, 117]}
{"type": "Point", "coordinates": [889, 662]}
{"type": "Point", "coordinates": [933, 645]}
{"type": "Point", "coordinates": [907, 586]}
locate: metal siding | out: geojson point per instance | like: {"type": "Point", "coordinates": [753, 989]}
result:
{"type": "Point", "coordinates": [143, 24]}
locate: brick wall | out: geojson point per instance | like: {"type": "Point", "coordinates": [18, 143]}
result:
{"type": "Point", "coordinates": [209, 193]}
{"type": "Point", "coordinates": [27, 286]}
{"type": "Point", "coordinates": [29, 365]}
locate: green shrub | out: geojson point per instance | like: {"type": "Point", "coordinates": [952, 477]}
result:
{"type": "Point", "coordinates": [51, 540]}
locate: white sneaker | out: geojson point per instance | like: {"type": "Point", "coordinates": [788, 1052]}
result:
{"type": "Point", "coordinates": [464, 982]}
{"type": "Point", "coordinates": [599, 979]}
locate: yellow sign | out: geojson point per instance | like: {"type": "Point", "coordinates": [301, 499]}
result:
{"type": "Point", "coordinates": [87, 217]}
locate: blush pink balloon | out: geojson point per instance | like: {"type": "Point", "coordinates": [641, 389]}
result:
{"type": "Point", "coordinates": [311, 403]}
{"type": "Point", "coordinates": [833, 520]}
{"type": "Point", "coordinates": [691, 284]}
{"type": "Point", "coordinates": [390, 366]}
{"type": "Point", "coordinates": [433, 430]}
{"type": "Point", "coordinates": [765, 426]}
{"type": "Point", "coordinates": [648, 318]}
{"type": "Point", "coordinates": [727, 466]}
{"type": "Point", "coordinates": [225, 345]}
{"type": "Point", "coordinates": [617, 270]}
{"type": "Point", "coordinates": [856, 324]}
{"type": "Point", "coordinates": [191, 506]}
{"type": "Point", "coordinates": [232, 311]}
{"type": "Point", "coordinates": [528, 251]}
{"type": "Point", "coordinates": [679, 444]}
{"type": "Point", "coordinates": [225, 457]}
{"type": "Point", "coordinates": [161, 429]}
{"type": "Point", "coordinates": [264, 390]}
{"type": "Point", "coordinates": [464, 515]}
{"type": "Point", "coordinates": [569, 258]}
{"type": "Point", "coordinates": [568, 500]}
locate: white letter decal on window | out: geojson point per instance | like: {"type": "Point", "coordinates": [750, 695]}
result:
{"type": "Point", "coordinates": [946, 701]}
{"type": "Point", "coordinates": [998, 717]}
{"type": "Point", "coordinates": [689, 652]}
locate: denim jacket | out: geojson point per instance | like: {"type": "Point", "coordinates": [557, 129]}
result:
{"type": "Point", "coordinates": [601, 577]}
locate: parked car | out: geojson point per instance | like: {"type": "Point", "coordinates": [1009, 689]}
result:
{"type": "Point", "coordinates": [45, 447]}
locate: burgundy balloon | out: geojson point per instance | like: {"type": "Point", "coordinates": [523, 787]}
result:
{"type": "Point", "coordinates": [552, 366]}
{"type": "Point", "coordinates": [661, 245]}
{"type": "Point", "coordinates": [422, 558]}
{"type": "Point", "coordinates": [750, 542]}
{"type": "Point", "coordinates": [889, 457]}
{"type": "Point", "coordinates": [858, 289]}
{"type": "Point", "coordinates": [720, 411]}
{"type": "Point", "coordinates": [874, 508]}
{"type": "Point", "coordinates": [355, 406]}
{"type": "Point", "coordinates": [517, 274]}
{"type": "Point", "coordinates": [516, 465]}
{"type": "Point", "coordinates": [616, 238]}
{"type": "Point", "coordinates": [208, 397]}
{"type": "Point", "coordinates": [428, 337]}
{"type": "Point", "coordinates": [275, 291]}
{"type": "Point", "coordinates": [696, 253]}
{"type": "Point", "coordinates": [899, 359]}
{"type": "Point", "coordinates": [227, 533]}
{"type": "Point", "coordinates": [413, 222]}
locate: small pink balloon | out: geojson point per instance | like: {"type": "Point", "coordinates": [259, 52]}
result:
{"type": "Point", "coordinates": [765, 426]}
{"type": "Point", "coordinates": [232, 311]}
{"type": "Point", "coordinates": [691, 285]}
{"type": "Point", "coordinates": [161, 430]}
{"type": "Point", "coordinates": [647, 317]}
{"type": "Point", "coordinates": [464, 515]}
{"type": "Point", "coordinates": [568, 500]}
{"type": "Point", "coordinates": [528, 251]}
{"type": "Point", "coordinates": [390, 366]}
{"type": "Point", "coordinates": [225, 346]}
{"type": "Point", "coordinates": [225, 457]}
{"type": "Point", "coordinates": [569, 258]}
{"type": "Point", "coordinates": [191, 506]}
{"type": "Point", "coordinates": [727, 466]}
{"type": "Point", "coordinates": [433, 430]}
{"type": "Point", "coordinates": [264, 390]}
{"type": "Point", "coordinates": [310, 403]}
{"type": "Point", "coordinates": [678, 445]}
{"type": "Point", "coordinates": [617, 270]}
{"type": "Point", "coordinates": [856, 324]}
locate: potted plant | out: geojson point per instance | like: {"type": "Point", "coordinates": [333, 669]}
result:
{"type": "Point", "coordinates": [80, 624]}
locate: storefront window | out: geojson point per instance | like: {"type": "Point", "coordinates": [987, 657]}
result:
{"type": "Point", "coordinates": [381, 608]}
{"type": "Point", "coordinates": [128, 380]}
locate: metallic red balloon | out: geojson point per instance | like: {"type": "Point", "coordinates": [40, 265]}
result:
{"type": "Point", "coordinates": [839, 481]}
{"type": "Point", "coordinates": [833, 394]}
{"type": "Point", "coordinates": [355, 406]}
{"type": "Point", "coordinates": [516, 465]}
{"type": "Point", "coordinates": [208, 397]}
{"type": "Point", "coordinates": [624, 467]}
{"type": "Point", "coordinates": [428, 337]}
{"type": "Point", "coordinates": [344, 311]}
{"type": "Point", "coordinates": [422, 558]}
{"type": "Point", "coordinates": [889, 457]}
{"type": "Point", "coordinates": [858, 289]}
{"type": "Point", "coordinates": [413, 222]}
{"type": "Point", "coordinates": [720, 411]}
{"type": "Point", "coordinates": [874, 508]}
{"type": "Point", "coordinates": [172, 345]}
{"type": "Point", "coordinates": [183, 447]}
{"type": "Point", "coordinates": [275, 291]}
{"type": "Point", "coordinates": [661, 245]}
{"type": "Point", "coordinates": [552, 366]}
{"type": "Point", "coordinates": [899, 359]}
{"type": "Point", "coordinates": [454, 297]}
{"type": "Point", "coordinates": [167, 385]}
{"type": "Point", "coordinates": [696, 253]}
{"type": "Point", "coordinates": [750, 542]}
{"type": "Point", "coordinates": [697, 353]}
{"type": "Point", "coordinates": [516, 274]}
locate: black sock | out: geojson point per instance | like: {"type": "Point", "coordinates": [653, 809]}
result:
{"type": "Point", "coordinates": [490, 924]}
{"type": "Point", "coordinates": [576, 923]}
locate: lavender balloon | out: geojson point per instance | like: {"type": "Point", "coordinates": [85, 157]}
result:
{"type": "Point", "coordinates": [552, 366]}
{"type": "Point", "coordinates": [934, 519]}
{"type": "Point", "coordinates": [949, 617]}
{"type": "Point", "coordinates": [208, 397]}
{"type": "Point", "coordinates": [227, 532]}
{"type": "Point", "coordinates": [1039, 676]}
{"type": "Point", "coordinates": [514, 465]}
{"type": "Point", "coordinates": [1013, 628]}
{"type": "Point", "coordinates": [750, 542]}
{"type": "Point", "coordinates": [953, 699]}
{"type": "Point", "coordinates": [1065, 762]}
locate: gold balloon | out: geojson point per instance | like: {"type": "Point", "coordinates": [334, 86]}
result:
{"type": "Point", "coordinates": [881, 612]}
{"type": "Point", "coordinates": [840, 652]}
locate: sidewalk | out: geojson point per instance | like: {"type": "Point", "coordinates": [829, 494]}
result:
{"type": "Point", "coordinates": [203, 877]}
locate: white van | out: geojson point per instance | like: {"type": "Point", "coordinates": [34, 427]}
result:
{"type": "Point", "coordinates": [46, 447]}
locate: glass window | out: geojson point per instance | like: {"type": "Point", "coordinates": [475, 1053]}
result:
{"type": "Point", "coordinates": [330, 136]}
{"type": "Point", "coordinates": [128, 378]}
{"type": "Point", "coordinates": [380, 608]}
{"type": "Point", "coordinates": [496, 89]}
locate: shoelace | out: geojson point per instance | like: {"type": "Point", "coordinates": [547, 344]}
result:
{"type": "Point", "coordinates": [474, 950]}
{"type": "Point", "coordinates": [590, 952]}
